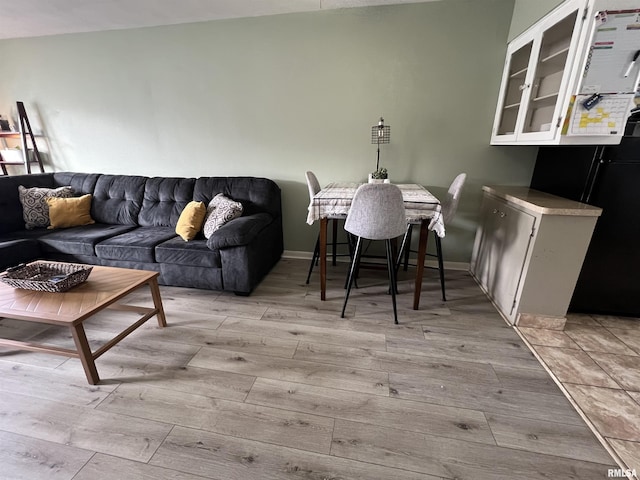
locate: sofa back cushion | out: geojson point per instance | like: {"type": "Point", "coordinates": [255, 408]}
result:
{"type": "Point", "coordinates": [117, 199]}
{"type": "Point", "coordinates": [10, 205]}
{"type": "Point", "coordinates": [256, 194]}
{"type": "Point", "coordinates": [164, 200]}
{"type": "Point", "coordinates": [82, 183]}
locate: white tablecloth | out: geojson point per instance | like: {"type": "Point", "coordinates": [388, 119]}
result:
{"type": "Point", "coordinates": [335, 200]}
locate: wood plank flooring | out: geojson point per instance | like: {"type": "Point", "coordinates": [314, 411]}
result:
{"type": "Point", "coordinates": [277, 386]}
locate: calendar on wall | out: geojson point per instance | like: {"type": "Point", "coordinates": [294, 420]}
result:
{"type": "Point", "coordinates": [607, 117]}
{"type": "Point", "coordinates": [609, 79]}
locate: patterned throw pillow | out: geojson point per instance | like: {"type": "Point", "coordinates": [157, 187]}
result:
{"type": "Point", "coordinates": [35, 210]}
{"type": "Point", "coordinates": [220, 210]}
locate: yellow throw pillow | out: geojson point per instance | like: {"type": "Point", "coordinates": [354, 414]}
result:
{"type": "Point", "coordinates": [69, 212]}
{"type": "Point", "coordinates": [190, 221]}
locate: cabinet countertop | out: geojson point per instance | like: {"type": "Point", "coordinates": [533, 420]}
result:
{"type": "Point", "coordinates": [541, 202]}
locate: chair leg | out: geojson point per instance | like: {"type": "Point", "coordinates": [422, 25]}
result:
{"type": "Point", "coordinates": [350, 245]}
{"type": "Point", "coordinates": [403, 245]}
{"type": "Point", "coordinates": [391, 266]}
{"type": "Point", "coordinates": [334, 252]}
{"type": "Point", "coordinates": [352, 249]}
{"type": "Point", "coordinates": [352, 272]}
{"type": "Point", "coordinates": [314, 259]}
{"type": "Point", "coordinates": [396, 256]}
{"type": "Point", "coordinates": [407, 252]}
{"type": "Point", "coordinates": [440, 264]}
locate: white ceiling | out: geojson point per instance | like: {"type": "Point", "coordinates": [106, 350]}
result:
{"type": "Point", "coordinates": [33, 18]}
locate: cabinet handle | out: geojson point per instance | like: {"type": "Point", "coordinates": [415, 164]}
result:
{"type": "Point", "coordinates": [523, 86]}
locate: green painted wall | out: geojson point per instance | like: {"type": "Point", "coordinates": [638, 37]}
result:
{"type": "Point", "coordinates": [276, 96]}
{"type": "Point", "coordinates": [527, 12]}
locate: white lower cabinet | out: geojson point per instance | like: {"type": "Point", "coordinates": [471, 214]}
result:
{"type": "Point", "coordinates": [528, 252]}
{"type": "Point", "coordinates": [503, 240]}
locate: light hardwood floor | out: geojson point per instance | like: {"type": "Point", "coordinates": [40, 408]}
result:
{"type": "Point", "coordinates": [277, 386]}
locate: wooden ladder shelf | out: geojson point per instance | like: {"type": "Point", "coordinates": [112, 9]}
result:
{"type": "Point", "coordinates": [24, 132]}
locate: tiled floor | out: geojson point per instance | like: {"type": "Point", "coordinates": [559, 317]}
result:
{"type": "Point", "coordinates": [597, 361]}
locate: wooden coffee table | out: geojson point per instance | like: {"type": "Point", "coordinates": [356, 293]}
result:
{"type": "Point", "coordinates": [104, 287]}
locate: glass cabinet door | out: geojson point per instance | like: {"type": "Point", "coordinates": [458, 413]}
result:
{"type": "Point", "coordinates": [535, 83]}
{"type": "Point", "coordinates": [515, 84]}
{"type": "Point", "coordinates": [549, 77]}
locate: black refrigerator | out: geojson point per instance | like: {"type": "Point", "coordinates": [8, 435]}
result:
{"type": "Point", "coordinates": [607, 177]}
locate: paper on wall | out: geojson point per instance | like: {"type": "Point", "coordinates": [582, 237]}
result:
{"type": "Point", "coordinates": [615, 43]}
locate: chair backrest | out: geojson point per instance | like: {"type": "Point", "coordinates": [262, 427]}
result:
{"type": "Point", "coordinates": [450, 204]}
{"type": "Point", "coordinates": [377, 212]}
{"type": "Point", "coordinates": [312, 184]}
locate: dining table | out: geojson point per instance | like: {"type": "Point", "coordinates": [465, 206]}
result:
{"type": "Point", "coordinates": [421, 207]}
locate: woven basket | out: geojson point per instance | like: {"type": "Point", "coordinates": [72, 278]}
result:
{"type": "Point", "coordinates": [46, 276]}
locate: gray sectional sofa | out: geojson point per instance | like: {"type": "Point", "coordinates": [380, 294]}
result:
{"type": "Point", "coordinates": [135, 228]}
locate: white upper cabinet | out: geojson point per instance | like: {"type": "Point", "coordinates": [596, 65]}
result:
{"type": "Point", "coordinates": [543, 70]}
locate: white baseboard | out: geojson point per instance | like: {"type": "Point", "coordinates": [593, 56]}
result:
{"type": "Point", "coordinates": [297, 254]}
{"type": "Point", "coordinates": [429, 263]}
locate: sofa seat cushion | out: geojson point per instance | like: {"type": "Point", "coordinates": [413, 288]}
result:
{"type": "Point", "coordinates": [14, 252]}
{"type": "Point", "coordinates": [80, 240]}
{"type": "Point", "coordinates": [194, 253]}
{"type": "Point", "coordinates": [137, 245]}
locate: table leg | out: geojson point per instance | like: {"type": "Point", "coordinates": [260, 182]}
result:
{"type": "Point", "coordinates": [85, 354]}
{"type": "Point", "coordinates": [422, 252]}
{"type": "Point", "coordinates": [323, 258]}
{"type": "Point", "coordinates": [157, 302]}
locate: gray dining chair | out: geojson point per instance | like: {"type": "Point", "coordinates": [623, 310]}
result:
{"type": "Point", "coordinates": [449, 206]}
{"type": "Point", "coordinates": [376, 213]}
{"type": "Point", "coordinates": [314, 187]}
